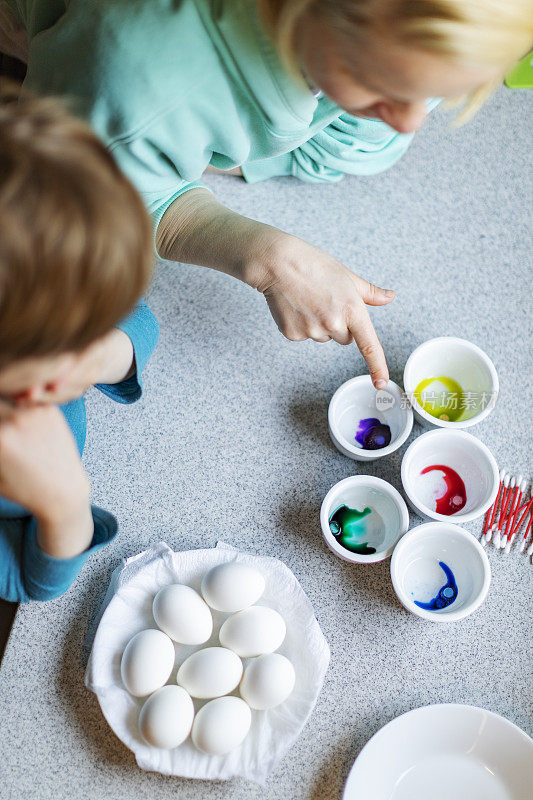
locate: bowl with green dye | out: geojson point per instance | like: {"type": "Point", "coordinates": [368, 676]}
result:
{"type": "Point", "coordinates": [362, 519]}
{"type": "Point", "coordinates": [450, 383]}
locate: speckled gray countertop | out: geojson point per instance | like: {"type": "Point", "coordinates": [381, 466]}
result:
{"type": "Point", "coordinates": [230, 442]}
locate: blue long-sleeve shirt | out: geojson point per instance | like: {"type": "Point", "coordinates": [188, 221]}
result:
{"type": "Point", "coordinates": [28, 573]}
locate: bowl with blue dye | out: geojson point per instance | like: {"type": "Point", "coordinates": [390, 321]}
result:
{"type": "Point", "coordinates": [362, 518]}
{"type": "Point", "coordinates": [450, 383]}
{"type": "Point", "coordinates": [440, 572]}
{"type": "Point", "coordinates": [367, 423]}
{"type": "Point", "coordinates": [449, 475]}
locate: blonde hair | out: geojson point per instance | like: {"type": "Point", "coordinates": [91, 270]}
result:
{"type": "Point", "coordinates": [76, 244]}
{"type": "Point", "coordinates": [471, 33]}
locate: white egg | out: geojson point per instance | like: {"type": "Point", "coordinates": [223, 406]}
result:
{"type": "Point", "coordinates": [182, 614]}
{"type": "Point", "coordinates": [267, 681]}
{"type": "Point", "coordinates": [211, 672]}
{"type": "Point", "coordinates": [147, 662]}
{"type": "Point", "coordinates": [254, 631]}
{"type": "Point", "coordinates": [221, 725]}
{"type": "Point", "coordinates": [232, 586]}
{"type": "Point", "coordinates": [166, 717]}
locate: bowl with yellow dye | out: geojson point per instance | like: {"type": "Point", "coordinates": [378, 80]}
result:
{"type": "Point", "coordinates": [450, 383]}
{"type": "Point", "coordinates": [362, 518]}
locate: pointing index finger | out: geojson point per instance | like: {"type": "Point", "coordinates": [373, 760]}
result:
{"type": "Point", "coordinates": [370, 347]}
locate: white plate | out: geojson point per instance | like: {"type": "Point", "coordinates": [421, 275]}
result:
{"type": "Point", "coordinates": [129, 611]}
{"type": "Point", "coordinates": [444, 752]}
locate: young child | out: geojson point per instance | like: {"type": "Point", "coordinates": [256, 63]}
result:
{"type": "Point", "coordinates": [309, 88]}
{"type": "Point", "coordinates": [76, 252]}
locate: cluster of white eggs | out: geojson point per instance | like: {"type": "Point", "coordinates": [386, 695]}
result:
{"type": "Point", "coordinates": [252, 632]}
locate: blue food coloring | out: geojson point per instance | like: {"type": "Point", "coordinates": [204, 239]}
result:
{"type": "Point", "coordinates": [446, 594]}
{"type": "Point", "coordinates": [372, 434]}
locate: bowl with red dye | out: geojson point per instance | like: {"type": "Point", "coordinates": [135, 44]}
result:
{"type": "Point", "coordinates": [366, 423]}
{"type": "Point", "coordinates": [449, 475]}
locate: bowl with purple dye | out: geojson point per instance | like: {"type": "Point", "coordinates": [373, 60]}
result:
{"type": "Point", "coordinates": [440, 572]}
{"type": "Point", "coordinates": [362, 518]}
{"type": "Point", "coordinates": [449, 475]}
{"type": "Point", "coordinates": [367, 423]}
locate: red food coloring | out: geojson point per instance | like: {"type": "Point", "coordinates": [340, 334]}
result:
{"type": "Point", "coordinates": [455, 496]}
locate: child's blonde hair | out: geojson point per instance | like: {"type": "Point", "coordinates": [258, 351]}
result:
{"type": "Point", "coordinates": [76, 244]}
{"type": "Point", "coordinates": [472, 33]}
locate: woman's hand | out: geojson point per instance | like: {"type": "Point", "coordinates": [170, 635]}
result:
{"type": "Point", "coordinates": [311, 295]}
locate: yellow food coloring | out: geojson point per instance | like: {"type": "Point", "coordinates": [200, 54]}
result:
{"type": "Point", "coordinates": [445, 401]}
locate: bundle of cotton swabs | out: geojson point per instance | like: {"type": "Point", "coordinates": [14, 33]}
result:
{"type": "Point", "coordinates": [511, 516]}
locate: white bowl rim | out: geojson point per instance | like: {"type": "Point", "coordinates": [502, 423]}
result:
{"type": "Point", "coordinates": [441, 423]}
{"type": "Point", "coordinates": [360, 452]}
{"type": "Point", "coordinates": [457, 517]}
{"type": "Point", "coordinates": [374, 482]}
{"type": "Point", "coordinates": [428, 709]}
{"type": "Point", "coordinates": [451, 616]}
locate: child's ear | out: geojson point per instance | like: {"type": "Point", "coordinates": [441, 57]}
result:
{"type": "Point", "coordinates": [31, 396]}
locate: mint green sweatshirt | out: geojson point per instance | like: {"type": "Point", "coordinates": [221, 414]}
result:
{"type": "Point", "coordinates": [172, 86]}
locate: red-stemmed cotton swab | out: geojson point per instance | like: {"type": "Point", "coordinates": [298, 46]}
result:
{"type": "Point", "coordinates": [513, 530]}
{"type": "Point", "coordinates": [520, 487]}
{"type": "Point", "coordinates": [524, 507]}
{"type": "Point", "coordinates": [523, 544]}
{"type": "Point", "coordinates": [491, 513]}
{"type": "Point", "coordinates": [504, 483]}
{"type": "Point", "coordinates": [526, 534]}
{"type": "Point", "coordinates": [503, 512]}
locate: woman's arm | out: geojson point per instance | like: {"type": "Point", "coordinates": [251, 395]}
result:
{"type": "Point", "coordinates": [310, 294]}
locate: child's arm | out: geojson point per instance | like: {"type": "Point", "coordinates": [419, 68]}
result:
{"type": "Point", "coordinates": [40, 469]}
{"type": "Point", "coordinates": [310, 294]}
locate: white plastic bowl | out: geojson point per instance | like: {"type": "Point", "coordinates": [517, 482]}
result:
{"type": "Point", "coordinates": [464, 363]}
{"type": "Point", "coordinates": [359, 492]}
{"type": "Point", "coordinates": [416, 574]}
{"type": "Point", "coordinates": [357, 399]}
{"type": "Point", "coordinates": [442, 752]}
{"type": "Point", "coordinates": [465, 454]}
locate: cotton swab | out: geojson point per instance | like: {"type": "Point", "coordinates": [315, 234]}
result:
{"type": "Point", "coordinates": [520, 488]}
{"type": "Point", "coordinates": [526, 534]}
{"type": "Point", "coordinates": [523, 507]}
{"type": "Point", "coordinates": [491, 513]}
{"type": "Point", "coordinates": [503, 512]}
{"type": "Point", "coordinates": [528, 526]}
{"type": "Point", "coordinates": [517, 525]}
{"type": "Point", "coordinates": [502, 494]}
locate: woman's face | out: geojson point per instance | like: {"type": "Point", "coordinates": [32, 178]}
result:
{"type": "Point", "coordinates": [380, 79]}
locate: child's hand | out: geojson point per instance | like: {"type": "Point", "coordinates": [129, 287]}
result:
{"type": "Point", "coordinates": [311, 295]}
{"type": "Point", "coordinates": [40, 469]}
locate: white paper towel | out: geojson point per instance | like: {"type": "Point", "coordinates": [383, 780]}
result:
{"type": "Point", "coordinates": [129, 610]}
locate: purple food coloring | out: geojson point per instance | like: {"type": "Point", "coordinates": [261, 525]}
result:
{"type": "Point", "coordinates": [372, 434]}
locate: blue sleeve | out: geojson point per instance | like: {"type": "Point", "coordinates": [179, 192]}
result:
{"type": "Point", "coordinates": [27, 573]}
{"type": "Point", "coordinates": [347, 146]}
{"type": "Point", "coordinates": [143, 329]}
